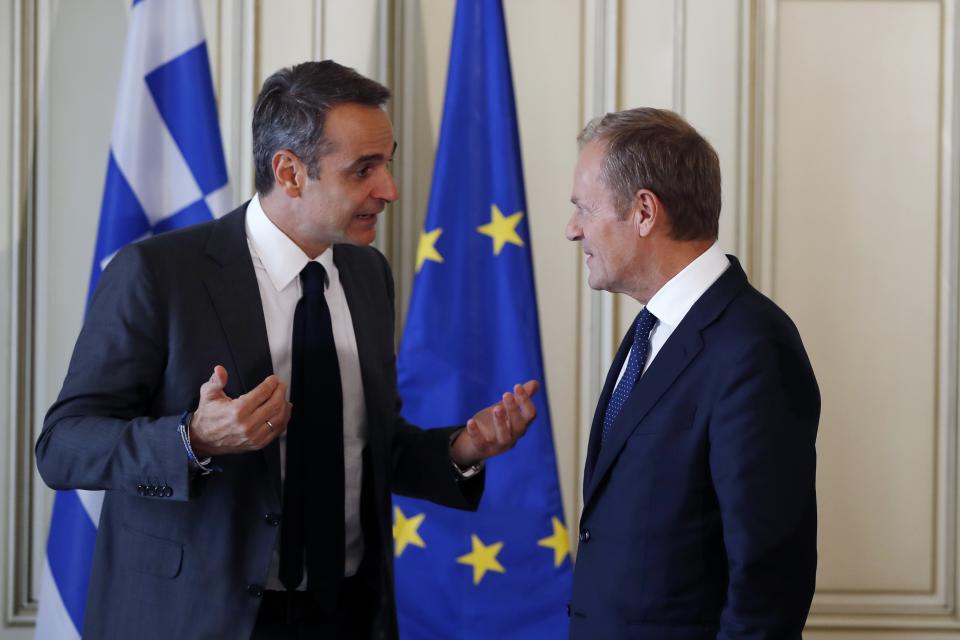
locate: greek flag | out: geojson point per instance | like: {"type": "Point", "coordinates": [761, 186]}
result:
{"type": "Point", "coordinates": [165, 170]}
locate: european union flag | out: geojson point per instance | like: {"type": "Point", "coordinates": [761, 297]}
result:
{"type": "Point", "coordinates": [165, 170]}
{"type": "Point", "coordinates": [471, 333]}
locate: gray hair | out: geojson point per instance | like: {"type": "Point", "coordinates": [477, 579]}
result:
{"type": "Point", "coordinates": [658, 150]}
{"type": "Point", "coordinates": [291, 111]}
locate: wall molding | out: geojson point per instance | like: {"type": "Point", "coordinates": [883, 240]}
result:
{"type": "Point", "coordinates": [238, 44]}
{"type": "Point", "coordinates": [21, 525]}
{"type": "Point", "coordinates": [400, 229]}
{"type": "Point", "coordinates": [744, 212]}
{"type": "Point", "coordinates": [679, 100]}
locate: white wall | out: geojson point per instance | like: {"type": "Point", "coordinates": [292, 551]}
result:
{"type": "Point", "coordinates": [835, 122]}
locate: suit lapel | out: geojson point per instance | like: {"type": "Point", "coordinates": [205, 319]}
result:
{"type": "Point", "coordinates": [680, 349]}
{"type": "Point", "coordinates": [232, 285]}
{"type": "Point", "coordinates": [677, 353]}
{"type": "Point", "coordinates": [596, 428]}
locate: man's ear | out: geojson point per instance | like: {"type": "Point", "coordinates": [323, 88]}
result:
{"type": "Point", "coordinates": [289, 173]}
{"type": "Point", "coordinates": [647, 211]}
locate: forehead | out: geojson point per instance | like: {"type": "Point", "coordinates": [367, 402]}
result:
{"type": "Point", "coordinates": [587, 176]}
{"type": "Point", "coordinates": [356, 129]}
{"type": "Point", "coordinates": [591, 157]}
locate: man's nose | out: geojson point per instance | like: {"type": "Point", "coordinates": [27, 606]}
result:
{"type": "Point", "coordinates": [386, 189]}
{"type": "Point", "coordinates": [573, 232]}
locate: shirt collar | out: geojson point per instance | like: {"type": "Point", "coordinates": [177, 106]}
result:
{"type": "Point", "coordinates": [674, 299]}
{"type": "Point", "coordinates": [282, 259]}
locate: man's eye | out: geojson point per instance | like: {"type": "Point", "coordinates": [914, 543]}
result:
{"type": "Point", "coordinates": [363, 172]}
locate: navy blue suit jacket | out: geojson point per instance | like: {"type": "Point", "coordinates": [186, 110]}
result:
{"type": "Point", "coordinates": [699, 517]}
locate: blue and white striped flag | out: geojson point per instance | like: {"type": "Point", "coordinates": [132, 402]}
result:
{"type": "Point", "coordinates": [166, 170]}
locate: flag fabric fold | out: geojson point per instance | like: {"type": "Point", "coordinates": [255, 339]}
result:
{"type": "Point", "coordinates": [165, 170]}
{"type": "Point", "coordinates": [472, 332]}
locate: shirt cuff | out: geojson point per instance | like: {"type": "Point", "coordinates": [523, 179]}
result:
{"type": "Point", "coordinates": [464, 473]}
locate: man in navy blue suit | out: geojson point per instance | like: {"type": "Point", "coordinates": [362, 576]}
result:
{"type": "Point", "coordinates": [699, 501]}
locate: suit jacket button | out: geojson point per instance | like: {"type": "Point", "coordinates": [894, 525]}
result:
{"type": "Point", "coordinates": [167, 491]}
{"type": "Point", "coordinates": [255, 590]}
{"type": "Point", "coordinates": [272, 519]}
{"type": "Point", "coordinates": [141, 489]}
{"type": "Point", "coordinates": [151, 491]}
{"type": "Point", "coordinates": [585, 536]}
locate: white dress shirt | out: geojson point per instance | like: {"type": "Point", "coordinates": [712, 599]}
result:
{"type": "Point", "coordinates": [277, 261]}
{"type": "Point", "coordinates": [674, 300]}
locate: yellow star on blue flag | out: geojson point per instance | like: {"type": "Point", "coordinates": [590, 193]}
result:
{"type": "Point", "coordinates": [427, 248]}
{"type": "Point", "coordinates": [502, 229]}
{"type": "Point", "coordinates": [405, 531]}
{"type": "Point", "coordinates": [482, 558]}
{"type": "Point", "coordinates": [559, 542]}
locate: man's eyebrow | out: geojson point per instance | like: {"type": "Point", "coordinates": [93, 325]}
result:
{"type": "Point", "coordinates": [374, 157]}
{"type": "Point", "coordinates": [368, 158]}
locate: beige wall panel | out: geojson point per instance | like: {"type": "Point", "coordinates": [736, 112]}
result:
{"type": "Point", "coordinates": [711, 102]}
{"type": "Point", "coordinates": [646, 53]}
{"type": "Point", "coordinates": [854, 262]}
{"type": "Point", "coordinates": [285, 32]}
{"type": "Point", "coordinates": [351, 35]}
{"type": "Point", "coordinates": [546, 77]}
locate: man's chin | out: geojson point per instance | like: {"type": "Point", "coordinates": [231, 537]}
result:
{"type": "Point", "coordinates": [362, 238]}
{"type": "Point", "coordinates": [595, 282]}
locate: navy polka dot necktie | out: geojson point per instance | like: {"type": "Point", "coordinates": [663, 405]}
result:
{"type": "Point", "coordinates": [638, 358]}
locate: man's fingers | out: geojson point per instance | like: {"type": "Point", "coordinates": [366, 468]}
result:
{"type": "Point", "coordinates": [264, 430]}
{"type": "Point", "coordinates": [213, 388]}
{"type": "Point", "coordinates": [527, 409]}
{"type": "Point", "coordinates": [482, 435]}
{"type": "Point", "coordinates": [512, 425]}
{"type": "Point", "coordinates": [502, 419]}
{"type": "Point", "coordinates": [475, 431]}
{"type": "Point", "coordinates": [531, 387]}
{"type": "Point", "coordinates": [273, 407]}
{"type": "Point", "coordinates": [259, 394]}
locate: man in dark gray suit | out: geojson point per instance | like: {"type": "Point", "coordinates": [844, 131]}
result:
{"type": "Point", "coordinates": [215, 522]}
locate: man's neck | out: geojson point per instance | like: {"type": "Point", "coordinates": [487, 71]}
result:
{"type": "Point", "coordinates": [278, 210]}
{"type": "Point", "coordinates": [666, 262]}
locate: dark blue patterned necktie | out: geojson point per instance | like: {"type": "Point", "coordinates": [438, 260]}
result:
{"type": "Point", "coordinates": [638, 358]}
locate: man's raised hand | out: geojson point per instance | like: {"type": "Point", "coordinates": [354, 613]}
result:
{"type": "Point", "coordinates": [222, 424]}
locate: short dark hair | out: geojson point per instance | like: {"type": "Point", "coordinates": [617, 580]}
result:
{"type": "Point", "coordinates": [658, 150]}
{"type": "Point", "coordinates": [291, 111]}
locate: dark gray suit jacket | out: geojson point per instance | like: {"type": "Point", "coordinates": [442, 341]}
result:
{"type": "Point", "coordinates": [189, 561]}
